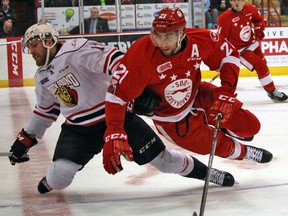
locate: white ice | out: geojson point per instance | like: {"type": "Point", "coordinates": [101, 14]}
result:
{"type": "Point", "coordinates": [142, 190]}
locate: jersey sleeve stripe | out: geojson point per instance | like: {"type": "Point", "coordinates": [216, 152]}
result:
{"type": "Point", "coordinates": [93, 117]}
{"type": "Point", "coordinates": [230, 60]}
{"type": "Point", "coordinates": [54, 118]}
{"type": "Point", "coordinates": [87, 117]}
{"type": "Point", "coordinates": [87, 111]}
{"type": "Point", "coordinates": [111, 60]}
{"type": "Point", "coordinates": [48, 108]}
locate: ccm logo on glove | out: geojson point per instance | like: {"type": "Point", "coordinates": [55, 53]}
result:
{"type": "Point", "coordinates": [20, 147]}
{"type": "Point", "coordinates": [226, 98]}
{"type": "Point", "coordinates": [223, 103]}
{"type": "Point", "coordinates": [114, 136]}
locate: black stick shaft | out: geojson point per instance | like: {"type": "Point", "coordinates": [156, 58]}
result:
{"type": "Point", "coordinates": [209, 167]}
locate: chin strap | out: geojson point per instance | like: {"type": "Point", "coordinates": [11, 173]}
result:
{"type": "Point", "coordinates": [47, 56]}
{"type": "Point", "coordinates": [48, 51]}
{"type": "Point", "coordinates": [179, 42]}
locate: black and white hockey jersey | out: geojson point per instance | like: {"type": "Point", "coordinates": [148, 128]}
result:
{"type": "Point", "coordinates": [73, 84]}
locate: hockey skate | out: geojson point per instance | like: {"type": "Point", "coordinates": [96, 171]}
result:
{"type": "Point", "coordinates": [221, 178]}
{"type": "Point", "coordinates": [43, 186]}
{"type": "Point", "coordinates": [257, 154]}
{"type": "Point", "coordinates": [277, 96]}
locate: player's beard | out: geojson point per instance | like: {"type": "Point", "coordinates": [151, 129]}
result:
{"type": "Point", "coordinates": [177, 46]}
{"type": "Point", "coordinates": [167, 53]}
{"type": "Point", "coordinates": [40, 59]}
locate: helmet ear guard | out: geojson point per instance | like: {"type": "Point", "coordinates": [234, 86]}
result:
{"type": "Point", "coordinates": [42, 31]}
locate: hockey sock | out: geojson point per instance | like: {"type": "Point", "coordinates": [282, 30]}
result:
{"type": "Point", "coordinates": [199, 170]}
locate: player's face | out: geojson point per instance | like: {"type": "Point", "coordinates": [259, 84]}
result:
{"type": "Point", "coordinates": [237, 5]}
{"type": "Point", "coordinates": [167, 42]}
{"type": "Point", "coordinates": [37, 50]}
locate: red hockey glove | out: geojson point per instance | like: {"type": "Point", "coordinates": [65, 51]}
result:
{"type": "Point", "coordinates": [259, 31]}
{"type": "Point", "coordinates": [116, 144]}
{"type": "Point", "coordinates": [20, 148]}
{"type": "Point", "coordinates": [223, 103]}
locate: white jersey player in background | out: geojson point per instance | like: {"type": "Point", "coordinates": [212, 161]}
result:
{"type": "Point", "coordinates": [73, 79]}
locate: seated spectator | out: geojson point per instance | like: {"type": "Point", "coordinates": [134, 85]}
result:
{"type": "Point", "coordinates": [284, 7]}
{"type": "Point", "coordinates": [125, 2]}
{"type": "Point", "coordinates": [99, 2]}
{"type": "Point", "coordinates": [7, 30]}
{"type": "Point", "coordinates": [146, 1]}
{"type": "Point", "coordinates": [6, 13]}
{"type": "Point", "coordinates": [94, 24]}
{"type": "Point", "coordinates": [220, 6]}
{"type": "Point", "coordinates": [173, 1]}
{"type": "Point", "coordinates": [210, 15]}
{"type": "Point", "coordinates": [63, 3]}
{"type": "Point", "coordinates": [216, 7]}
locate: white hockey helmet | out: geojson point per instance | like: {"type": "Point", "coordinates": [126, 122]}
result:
{"type": "Point", "coordinates": [42, 31]}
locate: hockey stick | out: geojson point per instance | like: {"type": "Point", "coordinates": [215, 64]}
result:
{"type": "Point", "coordinates": [10, 42]}
{"type": "Point", "coordinates": [4, 154]}
{"type": "Point", "coordinates": [247, 47]}
{"type": "Point", "coordinates": [209, 167]}
{"type": "Point", "coordinates": [215, 77]}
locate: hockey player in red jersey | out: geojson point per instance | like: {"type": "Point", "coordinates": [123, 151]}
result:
{"type": "Point", "coordinates": [167, 63]}
{"type": "Point", "coordinates": [72, 79]}
{"type": "Point", "coordinates": [243, 26]}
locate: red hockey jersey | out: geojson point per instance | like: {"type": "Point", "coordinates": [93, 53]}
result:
{"type": "Point", "coordinates": [238, 27]}
{"type": "Point", "coordinates": [175, 79]}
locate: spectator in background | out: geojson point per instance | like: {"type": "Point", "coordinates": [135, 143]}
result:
{"type": "Point", "coordinates": [146, 1]}
{"type": "Point", "coordinates": [173, 1]}
{"type": "Point", "coordinates": [74, 3]}
{"type": "Point", "coordinates": [6, 13]}
{"type": "Point", "coordinates": [220, 6]}
{"type": "Point", "coordinates": [213, 8]}
{"type": "Point", "coordinates": [99, 2]}
{"type": "Point", "coordinates": [125, 2]}
{"type": "Point", "coordinates": [210, 15]}
{"type": "Point", "coordinates": [7, 29]}
{"type": "Point", "coordinates": [284, 7]}
{"type": "Point", "coordinates": [63, 3]}
{"type": "Point", "coordinates": [94, 24]}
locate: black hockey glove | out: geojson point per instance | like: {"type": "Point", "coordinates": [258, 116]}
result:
{"type": "Point", "coordinates": [146, 103]}
{"type": "Point", "coordinates": [20, 148]}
